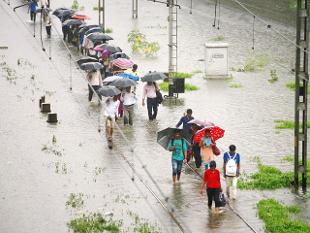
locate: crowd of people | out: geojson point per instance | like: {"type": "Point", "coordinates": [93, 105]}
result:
{"type": "Point", "coordinates": [184, 149]}
{"type": "Point", "coordinates": [182, 144]}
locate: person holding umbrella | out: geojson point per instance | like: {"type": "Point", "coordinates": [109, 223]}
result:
{"type": "Point", "coordinates": [110, 114]}
{"type": "Point", "coordinates": [149, 91]}
{"type": "Point", "coordinates": [33, 9]}
{"type": "Point", "coordinates": [206, 148]}
{"type": "Point", "coordinates": [178, 147]}
{"type": "Point", "coordinates": [95, 80]}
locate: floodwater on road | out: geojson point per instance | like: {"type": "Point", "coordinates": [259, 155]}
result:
{"type": "Point", "coordinates": [36, 199]}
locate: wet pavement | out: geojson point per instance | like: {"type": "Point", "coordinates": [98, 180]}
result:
{"type": "Point", "coordinates": [36, 184]}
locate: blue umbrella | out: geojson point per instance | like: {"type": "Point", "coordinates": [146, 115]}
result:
{"type": "Point", "coordinates": [129, 75]}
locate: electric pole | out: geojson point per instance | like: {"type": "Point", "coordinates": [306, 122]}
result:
{"type": "Point", "coordinates": [301, 89]}
{"type": "Point", "coordinates": [101, 12]}
{"type": "Point", "coordinates": [134, 9]}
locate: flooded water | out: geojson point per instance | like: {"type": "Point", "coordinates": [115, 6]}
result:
{"type": "Point", "coordinates": [37, 200]}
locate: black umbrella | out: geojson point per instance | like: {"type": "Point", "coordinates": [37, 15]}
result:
{"type": "Point", "coordinates": [86, 59]}
{"type": "Point", "coordinates": [92, 30]}
{"type": "Point", "coordinates": [164, 136]}
{"type": "Point", "coordinates": [85, 28]}
{"type": "Point", "coordinates": [63, 13]}
{"type": "Point", "coordinates": [98, 36]}
{"type": "Point", "coordinates": [91, 66]}
{"type": "Point", "coordinates": [111, 48]}
{"type": "Point", "coordinates": [108, 91]}
{"type": "Point", "coordinates": [71, 22]}
{"type": "Point", "coordinates": [123, 83]}
{"type": "Point", "coordinates": [153, 76]}
{"type": "Point", "coordinates": [118, 55]}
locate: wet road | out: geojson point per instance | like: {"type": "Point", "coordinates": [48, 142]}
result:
{"type": "Point", "coordinates": [247, 115]}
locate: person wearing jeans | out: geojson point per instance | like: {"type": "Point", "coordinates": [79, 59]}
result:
{"type": "Point", "coordinates": [178, 147]}
{"type": "Point", "coordinates": [149, 92]}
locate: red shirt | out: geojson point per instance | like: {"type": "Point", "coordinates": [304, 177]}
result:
{"type": "Point", "coordinates": [212, 178]}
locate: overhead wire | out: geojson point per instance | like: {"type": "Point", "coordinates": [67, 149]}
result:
{"type": "Point", "coordinates": [124, 137]}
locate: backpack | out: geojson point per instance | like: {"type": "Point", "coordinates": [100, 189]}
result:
{"type": "Point", "coordinates": [231, 166]}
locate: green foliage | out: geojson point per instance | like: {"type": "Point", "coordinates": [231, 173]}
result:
{"type": "Point", "coordinates": [75, 200]}
{"type": "Point", "coordinates": [93, 223]}
{"type": "Point", "coordinates": [108, 30]}
{"type": "Point", "coordinates": [218, 38]}
{"type": "Point", "coordinates": [277, 217]}
{"type": "Point", "coordinates": [268, 177]}
{"type": "Point", "coordinates": [164, 86]}
{"type": "Point", "coordinates": [255, 63]}
{"type": "Point", "coordinates": [182, 75]}
{"type": "Point", "coordinates": [273, 76]}
{"type": "Point", "coordinates": [75, 5]}
{"type": "Point", "coordinates": [140, 44]}
{"type": "Point", "coordinates": [291, 86]}
{"type": "Point", "coordinates": [145, 228]}
{"type": "Point", "coordinates": [287, 124]}
{"type": "Point", "coordinates": [288, 158]}
{"type": "Point", "coordinates": [95, 8]}
{"type": "Point", "coordinates": [235, 85]}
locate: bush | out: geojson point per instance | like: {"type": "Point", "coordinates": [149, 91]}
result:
{"type": "Point", "coordinates": [75, 5]}
{"type": "Point", "coordinates": [277, 217]}
{"type": "Point", "coordinates": [164, 86]}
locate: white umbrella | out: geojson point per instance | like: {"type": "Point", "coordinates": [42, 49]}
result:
{"type": "Point", "coordinates": [111, 79]}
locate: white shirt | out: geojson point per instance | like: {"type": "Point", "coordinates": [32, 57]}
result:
{"type": "Point", "coordinates": [111, 108]}
{"type": "Point", "coordinates": [149, 91]}
{"type": "Point", "coordinates": [128, 98]}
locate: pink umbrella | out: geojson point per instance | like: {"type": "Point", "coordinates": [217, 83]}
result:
{"type": "Point", "coordinates": [123, 63]}
{"type": "Point", "coordinates": [111, 79]}
{"type": "Point", "coordinates": [203, 123]}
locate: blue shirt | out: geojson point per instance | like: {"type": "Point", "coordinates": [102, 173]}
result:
{"type": "Point", "coordinates": [228, 156]}
{"type": "Point", "coordinates": [184, 120]}
{"type": "Point", "coordinates": [33, 6]}
{"type": "Point", "coordinates": [178, 153]}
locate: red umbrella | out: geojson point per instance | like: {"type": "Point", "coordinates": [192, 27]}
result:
{"type": "Point", "coordinates": [122, 63]}
{"type": "Point", "coordinates": [80, 16]}
{"type": "Point", "coordinates": [215, 131]}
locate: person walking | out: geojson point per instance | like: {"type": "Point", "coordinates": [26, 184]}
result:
{"type": "Point", "coordinates": [187, 127]}
{"type": "Point", "coordinates": [206, 148]}
{"type": "Point", "coordinates": [231, 169]}
{"type": "Point", "coordinates": [149, 91]}
{"type": "Point", "coordinates": [212, 180]}
{"type": "Point", "coordinates": [196, 147]}
{"type": "Point", "coordinates": [33, 10]}
{"type": "Point", "coordinates": [95, 80]}
{"type": "Point", "coordinates": [129, 99]}
{"type": "Point", "coordinates": [110, 113]}
{"type": "Point", "coordinates": [178, 147]}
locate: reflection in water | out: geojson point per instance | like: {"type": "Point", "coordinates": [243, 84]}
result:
{"type": "Point", "coordinates": [178, 196]}
{"type": "Point", "coordinates": [215, 220]}
{"type": "Point", "coordinates": [173, 103]}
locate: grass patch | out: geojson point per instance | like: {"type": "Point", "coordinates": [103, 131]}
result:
{"type": "Point", "coordinates": [93, 223]}
{"type": "Point", "coordinates": [108, 30]}
{"type": "Point", "coordinates": [291, 86]}
{"type": "Point", "coordinates": [188, 87]}
{"type": "Point", "coordinates": [254, 63]}
{"type": "Point", "coordinates": [182, 75]}
{"type": "Point", "coordinates": [75, 200]}
{"type": "Point", "coordinates": [288, 158]}
{"type": "Point", "coordinates": [218, 38]}
{"type": "Point", "coordinates": [287, 124]}
{"type": "Point", "coordinates": [235, 85]}
{"type": "Point", "coordinates": [268, 177]}
{"type": "Point", "coordinates": [145, 227]}
{"type": "Point", "coordinates": [273, 76]}
{"type": "Point", "coordinates": [277, 217]}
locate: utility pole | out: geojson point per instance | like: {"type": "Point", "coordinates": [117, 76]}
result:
{"type": "Point", "coordinates": [101, 12]}
{"type": "Point", "coordinates": [173, 43]}
{"type": "Point", "coordinates": [134, 9]}
{"type": "Point", "coordinates": [301, 89]}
